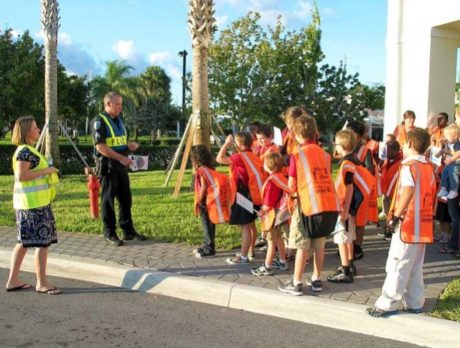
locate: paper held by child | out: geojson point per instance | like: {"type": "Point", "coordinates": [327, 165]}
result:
{"type": "Point", "coordinates": [244, 202]}
{"type": "Point", "coordinates": [277, 137]}
{"type": "Point", "coordinates": [436, 160]}
{"type": "Point", "coordinates": [382, 150]}
{"type": "Point", "coordinates": [339, 227]}
{"type": "Point", "coordinates": [139, 162]}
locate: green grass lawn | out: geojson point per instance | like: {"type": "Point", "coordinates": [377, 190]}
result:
{"type": "Point", "coordinates": [155, 213]}
{"type": "Point", "coordinates": [448, 306]}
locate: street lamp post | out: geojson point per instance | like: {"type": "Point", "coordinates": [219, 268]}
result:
{"type": "Point", "coordinates": [183, 54]}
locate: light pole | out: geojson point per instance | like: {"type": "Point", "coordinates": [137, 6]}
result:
{"type": "Point", "coordinates": [183, 54]}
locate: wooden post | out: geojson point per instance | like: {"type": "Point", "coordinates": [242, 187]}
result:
{"type": "Point", "coordinates": [188, 147]}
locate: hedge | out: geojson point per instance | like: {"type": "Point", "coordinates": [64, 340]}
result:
{"type": "Point", "coordinates": [159, 157]}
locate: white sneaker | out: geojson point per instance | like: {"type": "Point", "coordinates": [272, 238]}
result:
{"type": "Point", "coordinates": [452, 195]}
{"type": "Point", "coordinates": [443, 192]}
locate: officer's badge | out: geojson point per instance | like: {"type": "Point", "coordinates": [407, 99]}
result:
{"type": "Point", "coordinates": [97, 125]}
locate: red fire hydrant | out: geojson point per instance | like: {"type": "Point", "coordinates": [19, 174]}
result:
{"type": "Point", "coordinates": [93, 190]}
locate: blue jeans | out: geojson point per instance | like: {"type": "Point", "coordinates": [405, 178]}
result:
{"type": "Point", "coordinates": [450, 177]}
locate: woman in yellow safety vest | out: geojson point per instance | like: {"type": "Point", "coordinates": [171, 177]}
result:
{"type": "Point", "coordinates": [32, 196]}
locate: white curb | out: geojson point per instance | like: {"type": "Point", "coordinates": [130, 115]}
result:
{"type": "Point", "coordinates": [411, 328]}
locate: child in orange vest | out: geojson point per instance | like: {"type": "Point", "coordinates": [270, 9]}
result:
{"type": "Point", "coordinates": [353, 188]}
{"type": "Point", "coordinates": [289, 140]}
{"type": "Point", "coordinates": [411, 220]}
{"type": "Point", "coordinates": [265, 140]}
{"type": "Point", "coordinates": [274, 214]}
{"type": "Point", "coordinates": [315, 214]}
{"type": "Point", "coordinates": [364, 155]}
{"type": "Point", "coordinates": [211, 202]}
{"type": "Point", "coordinates": [247, 179]}
{"type": "Point", "coordinates": [389, 175]}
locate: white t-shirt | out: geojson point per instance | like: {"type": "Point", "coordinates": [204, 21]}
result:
{"type": "Point", "coordinates": [406, 178]}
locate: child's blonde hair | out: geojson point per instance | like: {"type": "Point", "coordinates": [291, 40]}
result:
{"type": "Point", "coordinates": [293, 113]}
{"type": "Point", "coordinates": [452, 128]}
{"type": "Point", "coordinates": [305, 126]}
{"type": "Point", "coordinates": [346, 138]}
{"type": "Point", "coordinates": [274, 162]}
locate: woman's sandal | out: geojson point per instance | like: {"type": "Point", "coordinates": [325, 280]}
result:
{"type": "Point", "coordinates": [50, 291]}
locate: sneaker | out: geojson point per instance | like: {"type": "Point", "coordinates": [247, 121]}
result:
{"type": "Point", "coordinates": [353, 271]}
{"type": "Point", "coordinates": [251, 255]}
{"type": "Point", "coordinates": [133, 235]}
{"type": "Point", "coordinates": [388, 236]}
{"type": "Point", "coordinates": [341, 277]}
{"type": "Point", "coordinates": [199, 250]}
{"type": "Point", "coordinates": [413, 310]}
{"type": "Point", "coordinates": [236, 260]}
{"type": "Point", "coordinates": [443, 192]}
{"type": "Point", "coordinates": [205, 253]}
{"type": "Point", "coordinates": [358, 253]}
{"type": "Point", "coordinates": [379, 313]}
{"type": "Point", "coordinates": [452, 195]}
{"type": "Point", "coordinates": [316, 285]}
{"type": "Point", "coordinates": [282, 266]}
{"type": "Point", "coordinates": [260, 242]}
{"type": "Point", "coordinates": [262, 271]}
{"type": "Point", "coordinates": [290, 288]}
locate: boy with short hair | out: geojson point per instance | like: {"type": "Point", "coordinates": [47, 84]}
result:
{"type": "Point", "coordinates": [315, 215]}
{"type": "Point", "coordinates": [354, 186]}
{"type": "Point", "coordinates": [411, 220]}
{"type": "Point", "coordinates": [265, 140]}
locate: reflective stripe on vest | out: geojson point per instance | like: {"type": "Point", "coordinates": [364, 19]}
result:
{"type": "Point", "coordinates": [314, 183]}
{"type": "Point", "coordinates": [254, 172]}
{"type": "Point", "coordinates": [34, 193]}
{"type": "Point", "coordinates": [215, 190]}
{"type": "Point", "coordinates": [113, 140]}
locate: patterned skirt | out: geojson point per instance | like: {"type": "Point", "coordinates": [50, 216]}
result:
{"type": "Point", "coordinates": [36, 227]}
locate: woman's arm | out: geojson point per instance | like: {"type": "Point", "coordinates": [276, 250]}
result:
{"type": "Point", "coordinates": [24, 172]}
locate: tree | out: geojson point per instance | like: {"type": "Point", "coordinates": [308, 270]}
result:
{"type": "Point", "coordinates": [202, 25]}
{"type": "Point", "coordinates": [257, 73]}
{"type": "Point", "coordinates": [50, 22]}
{"type": "Point", "coordinates": [21, 79]}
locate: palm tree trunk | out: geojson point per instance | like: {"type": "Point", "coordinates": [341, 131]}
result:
{"type": "Point", "coordinates": [200, 97]}
{"type": "Point", "coordinates": [50, 21]}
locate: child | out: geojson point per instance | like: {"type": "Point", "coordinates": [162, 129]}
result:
{"type": "Point", "coordinates": [389, 175]}
{"type": "Point", "coordinates": [364, 155]}
{"type": "Point", "coordinates": [289, 141]}
{"type": "Point", "coordinates": [247, 179]}
{"type": "Point", "coordinates": [315, 215]}
{"type": "Point", "coordinates": [265, 140]}
{"type": "Point", "coordinates": [449, 175]}
{"type": "Point", "coordinates": [411, 219]}
{"type": "Point", "coordinates": [274, 214]}
{"type": "Point", "coordinates": [354, 185]}
{"type": "Point", "coordinates": [211, 198]}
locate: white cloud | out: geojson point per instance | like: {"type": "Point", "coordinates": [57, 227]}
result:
{"type": "Point", "coordinates": [125, 49]}
{"type": "Point", "coordinates": [159, 57]}
{"type": "Point", "coordinates": [221, 21]}
{"type": "Point", "coordinates": [64, 39]}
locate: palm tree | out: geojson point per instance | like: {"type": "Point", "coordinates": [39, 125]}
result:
{"type": "Point", "coordinates": [202, 25]}
{"type": "Point", "coordinates": [50, 22]}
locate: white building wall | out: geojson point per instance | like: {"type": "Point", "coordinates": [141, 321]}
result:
{"type": "Point", "coordinates": [422, 41]}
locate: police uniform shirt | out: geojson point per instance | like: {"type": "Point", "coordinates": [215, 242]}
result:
{"type": "Point", "coordinates": [100, 131]}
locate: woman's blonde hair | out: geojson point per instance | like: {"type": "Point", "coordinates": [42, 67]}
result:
{"type": "Point", "coordinates": [21, 129]}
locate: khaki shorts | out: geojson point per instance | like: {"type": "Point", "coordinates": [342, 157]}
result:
{"type": "Point", "coordinates": [297, 240]}
{"type": "Point", "coordinates": [276, 233]}
{"type": "Point", "coordinates": [346, 237]}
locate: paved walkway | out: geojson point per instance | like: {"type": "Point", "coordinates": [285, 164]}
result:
{"type": "Point", "coordinates": [177, 258]}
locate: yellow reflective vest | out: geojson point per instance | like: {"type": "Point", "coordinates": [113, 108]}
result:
{"type": "Point", "coordinates": [117, 138]}
{"type": "Point", "coordinates": [35, 193]}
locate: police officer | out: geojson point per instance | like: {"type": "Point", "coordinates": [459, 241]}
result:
{"type": "Point", "coordinates": [111, 149]}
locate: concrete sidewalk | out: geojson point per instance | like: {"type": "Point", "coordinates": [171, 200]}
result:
{"type": "Point", "coordinates": [171, 269]}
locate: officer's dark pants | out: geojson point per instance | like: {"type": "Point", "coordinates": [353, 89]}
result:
{"type": "Point", "coordinates": [116, 185]}
{"type": "Point", "coordinates": [209, 229]}
{"type": "Point", "coordinates": [454, 213]}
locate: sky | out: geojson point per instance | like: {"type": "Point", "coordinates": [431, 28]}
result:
{"type": "Point", "coordinates": [152, 32]}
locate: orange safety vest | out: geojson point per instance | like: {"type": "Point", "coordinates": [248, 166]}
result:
{"type": "Point", "coordinates": [362, 179]}
{"type": "Point", "coordinates": [256, 176]}
{"type": "Point", "coordinates": [290, 143]}
{"type": "Point", "coordinates": [217, 195]}
{"type": "Point", "coordinates": [269, 149]}
{"type": "Point", "coordinates": [373, 214]}
{"type": "Point", "coordinates": [268, 219]}
{"type": "Point", "coordinates": [389, 177]}
{"type": "Point", "coordinates": [417, 224]}
{"type": "Point", "coordinates": [314, 183]}
{"type": "Point", "coordinates": [373, 146]}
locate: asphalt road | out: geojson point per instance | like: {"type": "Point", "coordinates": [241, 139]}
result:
{"type": "Point", "coordinates": [94, 315]}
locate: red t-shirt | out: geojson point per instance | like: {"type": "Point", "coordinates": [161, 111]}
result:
{"type": "Point", "coordinates": [238, 169]}
{"type": "Point", "coordinates": [272, 194]}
